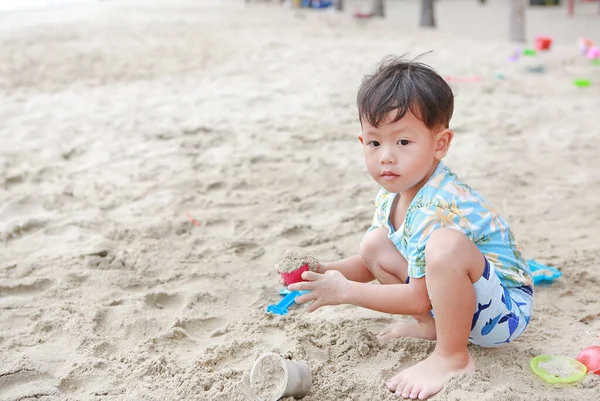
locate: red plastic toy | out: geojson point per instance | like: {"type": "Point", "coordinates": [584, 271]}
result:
{"type": "Point", "coordinates": [543, 43]}
{"type": "Point", "coordinates": [295, 276]}
{"type": "Point", "coordinates": [590, 357]}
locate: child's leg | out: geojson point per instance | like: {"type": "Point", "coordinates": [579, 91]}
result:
{"type": "Point", "coordinates": [388, 266]}
{"type": "Point", "coordinates": [454, 263]}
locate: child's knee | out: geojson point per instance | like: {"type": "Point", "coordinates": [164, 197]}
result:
{"type": "Point", "coordinates": [372, 244]}
{"type": "Point", "coordinates": [447, 247]}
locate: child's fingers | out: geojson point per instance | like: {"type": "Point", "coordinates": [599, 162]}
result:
{"type": "Point", "coordinates": [302, 286]}
{"type": "Point", "coordinates": [383, 337]}
{"type": "Point", "coordinates": [310, 276]}
{"type": "Point", "coordinates": [314, 306]}
{"type": "Point", "coordinates": [305, 298]}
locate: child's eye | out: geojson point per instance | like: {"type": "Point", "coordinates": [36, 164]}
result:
{"type": "Point", "coordinates": [374, 144]}
{"type": "Point", "coordinates": [403, 142]}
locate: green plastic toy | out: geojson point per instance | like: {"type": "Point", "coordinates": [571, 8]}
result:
{"type": "Point", "coordinates": [582, 83]}
{"type": "Point", "coordinates": [562, 369]}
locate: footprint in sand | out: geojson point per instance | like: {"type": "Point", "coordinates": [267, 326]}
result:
{"type": "Point", "coordinates": [13, 180]}
{"type": "Point", "coordinates": [39, 285]}
{"type": "Point", "coordinates": [297, 232]}
{"type": "Point", "coordinates": [126, 324]}
{"type": "Point", "coordinates": [215, 186]}
{"type": "Point", "coordinates": [104, 350]}
{"type": "Point", "coordinates": [247, 249]}
{"type": "Point", "coordinates": [162, 300]}
{"type": "Point", "coordinates": [24, 384]}
{"type": "Point", "coordinates": [202, 328]}
{"type": "Point", "coordinates": [22, 228]}
{"type": "Point", "coordinates": [201, 299]}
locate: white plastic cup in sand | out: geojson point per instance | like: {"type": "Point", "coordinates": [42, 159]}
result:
{"type": "Point", "coordinates": [272, 377]}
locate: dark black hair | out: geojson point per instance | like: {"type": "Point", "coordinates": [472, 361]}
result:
{"type": "Point", "coordinates": [405, 85]}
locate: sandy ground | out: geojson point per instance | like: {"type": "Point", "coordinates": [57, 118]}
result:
{"type": "Point", "coordinates": [119, 118]}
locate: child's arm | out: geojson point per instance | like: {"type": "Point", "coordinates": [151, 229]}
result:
{"type": "Point", "coordinates": [398, 299]}
{"type": "Point", "coordinates": [352, 268]}
{"type": "Point", "coordinates": [332, 288]}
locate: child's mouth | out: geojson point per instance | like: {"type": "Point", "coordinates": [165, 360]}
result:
{"type": "Point", "coordinates": [389, 176]}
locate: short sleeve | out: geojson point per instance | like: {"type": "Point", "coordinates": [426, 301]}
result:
{"type": "Point", "coordinates": [420, 225]}
{"type": "Point", "coordinates": [380, 210]}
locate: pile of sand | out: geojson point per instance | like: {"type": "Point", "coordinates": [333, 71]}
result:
{"type": "Point", "coordinates": [294, 260]}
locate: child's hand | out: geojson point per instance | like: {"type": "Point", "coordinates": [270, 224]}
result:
{"type": "Point", "coordinates": [330, 288]}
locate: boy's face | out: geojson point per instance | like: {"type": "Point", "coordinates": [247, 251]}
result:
{"type": "Point", "coordinates": [401, 155]}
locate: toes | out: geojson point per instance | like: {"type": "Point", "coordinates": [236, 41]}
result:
{"type": "Point", "coordinates": [401, 389]}
{"type": "Point", "coordinates": [406, 391]}
{"type": "Point", "coordinates": [416, 392]}
{"type": "Point", "coordinates": [428, 392]}
{"type": "Point", "coordinates": [392, 384]}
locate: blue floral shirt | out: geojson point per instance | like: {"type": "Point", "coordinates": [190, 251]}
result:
{"type": "Point", "coordinates": [444, 201]}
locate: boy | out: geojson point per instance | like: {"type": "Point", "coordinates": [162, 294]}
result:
{"type": "Point", "coordinates": [442, 253]}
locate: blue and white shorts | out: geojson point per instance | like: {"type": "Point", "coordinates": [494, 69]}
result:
{"type": "Point", "coordinates": [501, 314]}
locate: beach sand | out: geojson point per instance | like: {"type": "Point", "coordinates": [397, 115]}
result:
{"type": "Point", "coordinates": [121, 118]}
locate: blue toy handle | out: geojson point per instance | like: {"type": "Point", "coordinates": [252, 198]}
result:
{"type": "Point", "coordinates": [281, 308]}
{"type": "Point", "coordinates": [542, 273]}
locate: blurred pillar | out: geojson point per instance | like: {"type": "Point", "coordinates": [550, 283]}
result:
{"type": "Point", "coordinates": [378, 9]}
{"type": "Point", "coordinates": [571, 7]}
{"type": "Point", "coordinates": [339, 5]}
{"type": "Point", "coordinates": [427, 14]}
{"type": "Point", "coordinates": [517, 20]}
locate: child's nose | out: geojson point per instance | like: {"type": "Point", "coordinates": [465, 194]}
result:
{"type": "Point", "coordinates": [387, 157]}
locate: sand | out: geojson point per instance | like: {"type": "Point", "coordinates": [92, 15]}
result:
{"type": "Point", "coordinates": [558, 369]}
{"type": "Point", "coordinates": [119, 118]}
{"type": "Point", "coordinates": [293, 260]}
{"type": "Point", "coordinates": [267, 382]}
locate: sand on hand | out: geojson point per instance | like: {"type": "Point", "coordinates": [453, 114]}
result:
{"type": "Point", "coordinates": [294, 260]}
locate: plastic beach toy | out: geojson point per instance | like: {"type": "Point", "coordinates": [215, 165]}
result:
{"type": "Point", "coordinates": [593, 53]}
{"type": "Point", "coordinates": [582, 83]}
{"type": "Point", "coordinates": [590, 357]}
{"type": "Point", "coordinates": [278, 377]}
{"type": "Point", "coordinates": [294, 276]}
{"type": "Point", "coordinates": [289, 299]}
{"type": "Point", "coordinates": [543, 43]}
{"type": "Point", "coordinates": [584, 45]}
{"type": "Point", "coordinates": [557, 369]}
{"type": "Point", "coordinates": [542, 273]}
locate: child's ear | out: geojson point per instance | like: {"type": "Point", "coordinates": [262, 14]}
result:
{"type": "Point", "coordinates": [442, 143]}
{"type": "Point", "coordinates": [360, 138]}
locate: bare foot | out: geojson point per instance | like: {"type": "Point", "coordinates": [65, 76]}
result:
{"type": "Point", "coordinates": [414, 328]}
{"type": "Point", "coordinates": [429, 376]}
